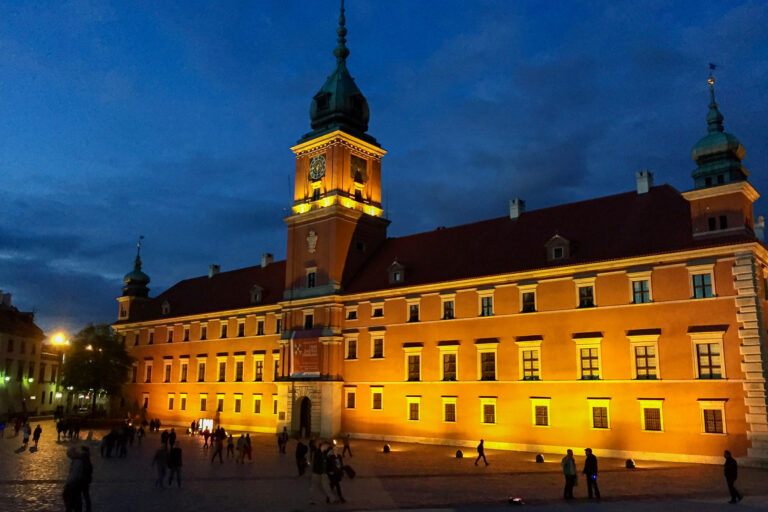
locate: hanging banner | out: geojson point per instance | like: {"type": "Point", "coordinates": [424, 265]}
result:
{"type": "Point", "coordinates": [306, 357]}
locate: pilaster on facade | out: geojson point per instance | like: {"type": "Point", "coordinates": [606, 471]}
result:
{"type": "Point", "coordinates": [752, 348]}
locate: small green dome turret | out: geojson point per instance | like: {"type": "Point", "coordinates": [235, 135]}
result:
{"type": "Point", "coordinates": [718, 154]}
{"type": "Point", "coordinates": [136, 281]}
{"type": "Point", "coordinates": [339, 105]}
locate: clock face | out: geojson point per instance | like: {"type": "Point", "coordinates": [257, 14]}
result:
{"type": "Point", "coordinates": [317, 167]}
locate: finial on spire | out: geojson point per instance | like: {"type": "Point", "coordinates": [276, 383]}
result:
{"type": "Point", "coordinates": [341, 52]}
{"type": "Point", "coordinates": [714, 117]}
{"type": "Point", "coordinates": [137, 262]}
{"type": "Point", "coordinates": [711, 81]}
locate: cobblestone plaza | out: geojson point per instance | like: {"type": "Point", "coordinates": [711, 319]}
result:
{"type": "Point", "coordinates": [411, 476]}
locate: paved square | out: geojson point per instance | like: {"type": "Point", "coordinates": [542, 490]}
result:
{"type": "Point", "coordinates": [411, 476]}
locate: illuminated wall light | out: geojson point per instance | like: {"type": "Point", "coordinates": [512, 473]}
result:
{"type": "Point", "coordinates": [30, 380]}
{"type": "Point", "coordinates": [33, 397]}
{"type": "Point", "coordinates": [58, 395]}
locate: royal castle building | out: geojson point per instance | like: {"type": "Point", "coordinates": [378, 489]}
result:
{"type": "Point", "coordinates": [632, 323]}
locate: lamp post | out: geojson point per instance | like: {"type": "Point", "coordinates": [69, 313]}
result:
{"type": "Point", "coordinates": [60, 342]}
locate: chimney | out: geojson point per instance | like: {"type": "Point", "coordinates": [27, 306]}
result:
{"type": "Point", "coordinates": [213, 270]}
{"type": "Point", "coordinates": [266, 259]}
{"type": "Point", "coordinates": [516, 207]}
{"type": "Point", "coordinates": [6, 298]}
{"type": "Point", "coordinates": [760, 228]}
{"type": "Point", "coordinates": [644, 181]}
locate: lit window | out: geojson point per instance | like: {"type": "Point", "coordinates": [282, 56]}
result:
{"type": "Point", "coordinates": [449, 409]}
{"type": "Point", "coordinates": [599, 409]}
{"type": "Point", "coordinates": [645, 362]}
{"type": "Point", "coordinates": [540, 412]}
{"type": "Point", "coordinates": [488, 410]}
{"type": "Point", "coordinates": [377, 348]}
{"type": "Point", "coordinates": [651, 415]}
{"type": "Point", "coordinates": [530, 364]}
{"type": "Point", "coordinates": [351, 396]}
{"type": "Point", "coordinates": [377, 396]}
{"type": "Point", "coordinates": [413, 403]}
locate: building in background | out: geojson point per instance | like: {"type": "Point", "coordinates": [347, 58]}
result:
{"type": "Point", "coordinates": [632, 323]}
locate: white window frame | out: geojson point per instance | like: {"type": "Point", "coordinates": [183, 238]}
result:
{"type": "Point", "coordinates": [647, 340]}
{"type": "Point", "coordinates": [256, 359]}
{"type": "Point", "coordinates": [348, 338]}
{"type": "Point", "coordinates": [257, 397]}
{"type": "Point", "coordinates": [409, 303]}
{"type": "Point", "coordinates": [541, 401]}
{"type": "Point", "coordinates": [222, 325]}
{"type": "Point", "coordinates": [182, 364]}
{"type": "Point", "coordinates": [219, 360]}
{"type": "Point", "coordinates": [599, 402]}
{"type": "Point", "coordinates": [488, 400]}
{"type": "Point", "coordinates": [170, 402]}
{"type": "Point", "coordinates": [582, 282]}
{"type": "Point", "coordinates": [240, 322]}
{"type": "Point", "coordinates": [373, 337]}
{"type": "Point", "coordinates": [203, 325]}
{"type": "Point", "coordinates": [651, 403]}
{"type": "Point", "coordinates": [167, 370]}
{"type": "Point", "coordinates": [410, 351]}
{"type": "Point", "coordinates": [528, 288]}
{"type": "Point", "coordinates": [448, 297]}
{"type": "Point", "coordinates": [351, 309]}
{"type": "Point", "coordinates": [481, 294]}
{"type": "Point", "coordinates": [448, 349]}
{"type": "Point", "coordinates": [377, 390]}
{"type": "Point", "coordinates": [705, 338]}
{"type": "Point", "coordinates": [642, 276]}
{"type": "Point", "coordinates": [169, 334]}
{"type": "Point", "coordinates": [201, 361]}
{"type": "Point", "coordinates": [238, 400]}
{"type": "Point", "coordinates": [528, 345]}
{"type": "Point", "coordinates": [148, 372]}
{"type": "Point", "coordinates": [594, 342]}
{"type": "Point", "coordinates": [263, 320]}
{"type": "Point", "coordinates": [412, 400]}
{"type": "Point", "coordinates": [445, 400]}
{"type": "Point", "coordinates": [699, 270]}
{"type": "Point", "coordinates": [350, 390]}
{"type": "Point", "coordinates": [718, 405]}
{"type": "Point", "coordinates": [238, 359]}
{"type": "Point", "coordinates": [487, 348]}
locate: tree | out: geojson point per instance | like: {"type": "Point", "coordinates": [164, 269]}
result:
{"type": "Point", "coordinates": [96, 362]}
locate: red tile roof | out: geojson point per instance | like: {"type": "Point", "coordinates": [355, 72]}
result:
{"type": "Point", "coordinates": [606, 228]}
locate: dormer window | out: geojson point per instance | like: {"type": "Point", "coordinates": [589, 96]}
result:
{"type": "Point", "coordinates": [558, 253]}
{"type": "Point", "coordinates": [396, 273]}
{"type": "Point", "coordinates": [558, 248]}
{"type": "Point", "coordinates": [165, 308]}
{"type": "Point", "coordinates": [256, 294]}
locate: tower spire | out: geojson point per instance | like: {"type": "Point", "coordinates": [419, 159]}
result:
{"type": "Point", "coordinates": [341, 51]}
{"type": "Point", "coordinates": [714, 117]}
{"type": "Point", "coordinates": [137, 261]}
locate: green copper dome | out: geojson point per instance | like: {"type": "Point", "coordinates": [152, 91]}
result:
{"type": "Point", "coordinates": [339, 104]}
{"type": "Point", "coordinates": [718, 154]}
{"type": "Point", "coordinates": [136, 281]}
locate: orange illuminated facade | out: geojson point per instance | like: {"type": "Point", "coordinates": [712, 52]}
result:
{"type": "Point", "coordinates": [632, 323]}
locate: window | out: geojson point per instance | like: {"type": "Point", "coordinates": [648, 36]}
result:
{"type": "Point", "coordinates": [702, 281]}
{"type": "Point", "coordinates": [377, 396]}
{"type": "Point", "coordinates": [352, 313]}
{"type": "Point", "coordinates": [203, 332]}
{"type": "Point", "coordinates": [274, 404]}
{"type": "Point", "coordinates": [558, 253]}
{"type": "Point", "coordinates": [413, 312]}
{"type": "Point", "coordinates": [201, 371]}
{"type": "Point", "coordinates": [170, 335]}
{"type": "Point", "coordinates": [238, 402]}
{"type": "Point", "coordinates": [256, 404]}
{"type": "Point", "coordinates": [488, 365]}
{"type": "Point", "coordinates": [258, 369]}
{"type": "Point", "coordinates": [708, 360]}
{"type": "Point", "coordinates": [378, 312]}
{"type": "Point", "coordinates": [167, 372]}
{"type": "Point", "coordinates": [586, 296]}
{"type": "Point", "coordinates": [527, 298]}
{"type": "Point", "coordinates": [712, 416]}
{"type": "Point", "coordinates": [186, 333]}
{"type": "Point", "coordinates": [148, 371]}
{"type": "Point", "coordinates": [449, 409]}
{"type": "Point", "coordinates": [413, 403]}
{"type": "Point", "coordinates": [449, 366]}
{"type": "Point", "coordinates": [145, 400]}
{"type": "Point", "coordinates": [135, 339]}
{"type": "Point", "coordinates": [276, 367]}
{"type": "Point", "coordinates": [220, 402]}
{"type": "Point", "coordinates": [599, 412]}
{"type": "Point", "coordinates": [488, 410]}
{"type": "Point", "coordinates": [203, 402]}
{"type": "Point", "coordinates": [239, 370]}
{"type": "Point", "coordinates": [651, 415]}
{"type": "Point", "coordinates": [183, 372]}
{"type": "Point", "coordinates": [134, 373]}
{"type": "Point", "coordinates": [486, 303]}
{"type": "Point", "coordinates": [448, 310]}
{"type": "Point", "coordinates": [640, 287]}
{"type": "Point", "coordinates": [645, 361]}
{"type": "Point", "coordinates": [540, 411]}
{"type": "Point", "coordinates": [260, 328]}
{"type": "Point", "coordinates": [530, 364]}
{"type": "Point", "coordinates": [396, 276]}
{"type": "Point", "coordinates": [222, 371]}
{"type": "Point", "coordinates": [414, 367]}
{"type": "Point", "coordinates": [309, 320]}
{"type": "Point", "coordinates": [351, 395]}
{"type": "Point", "coordinates": [241, 329]}
{"type": "Point", "coordinates": [311, 279]}
{"type": "Point", "coordinates": [41, 377]}
{"type": "Point", "coordinates": [170, 401]}
{"type": "Point", "coordinates": [588, 349]}
{"type": "Point", "coordinates": [224, 330]}
{"type": "Point", "coordinates": [351, 349]}
{"type": "Point", "coordinates": [151, 338]}
{"type": "Point", "coordinates": [377, 348]}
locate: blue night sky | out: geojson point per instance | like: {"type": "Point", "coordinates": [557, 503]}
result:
{"type": "Point", "coordinates": [174, 120]}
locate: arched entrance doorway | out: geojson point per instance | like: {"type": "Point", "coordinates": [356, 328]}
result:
{"type": "Point", "coordinates": [305, 417]}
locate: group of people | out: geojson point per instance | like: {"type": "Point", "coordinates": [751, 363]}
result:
{"type": "Point", "coordinates": [154, 425]}
{"type": "Point", "coordinates": [167, 459]}
{"type": "Point", "coordinates": [327, 470]}
{"type": "Point", "coordinates": [69, 428]}
{"type": "Point", "coordinates": [118, 439]}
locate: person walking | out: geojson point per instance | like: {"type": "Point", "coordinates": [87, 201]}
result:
{"type": "Point", "coordinates": [731, 469]}
{"type": "Point", "coordinates": [172, 438]}
{"type": "Point", "coordinates": [346, 446]}
{"type": "Point", "coordinates": [240, 449]}
{"type": "Point", "coordinates": [590, 470]}
{"type": "Point", "coordinates": [481, 452]}
{"type": "Point", "coordinates": [36, 435]}
{"type": "Point", "coordinates": [247, 447]}
{"type": "Point", "coordinates": [334, 465]}
{"type": "Point", "coordinates": [26, 431]}
{"type": "Point", "coordinates": [218, 444]}
{"type": "Point", "coordinates": [174, 465]}
{"type": "Point", "coordinates": [85, 488]}
{"type": "Point", "coordinates": [160, 463]}
{"type": "Point", "coordinates": [569, 471]}
{"type": "Point", "coordinates": [164, 438]}
{"type": "Point", "coordinates": [318, 482]}
{"type": "Point", "coordinates": [193, 427]}
{"type": "Point", "coordinates": [230, 446]}
{"type": "Point", "coordinates": [140, 434]}
{"type": "Point", "coordinates": [74, 481]}
{"type": "Point", "coordinates": [206, 435]}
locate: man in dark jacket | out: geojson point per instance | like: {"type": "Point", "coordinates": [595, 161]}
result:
{"type": "Point", "coordinates": [731, 469]}
{"type": "Point", "coordinates": [590, 471]}
{"type": "Point", "coordinates": [174, 465]}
